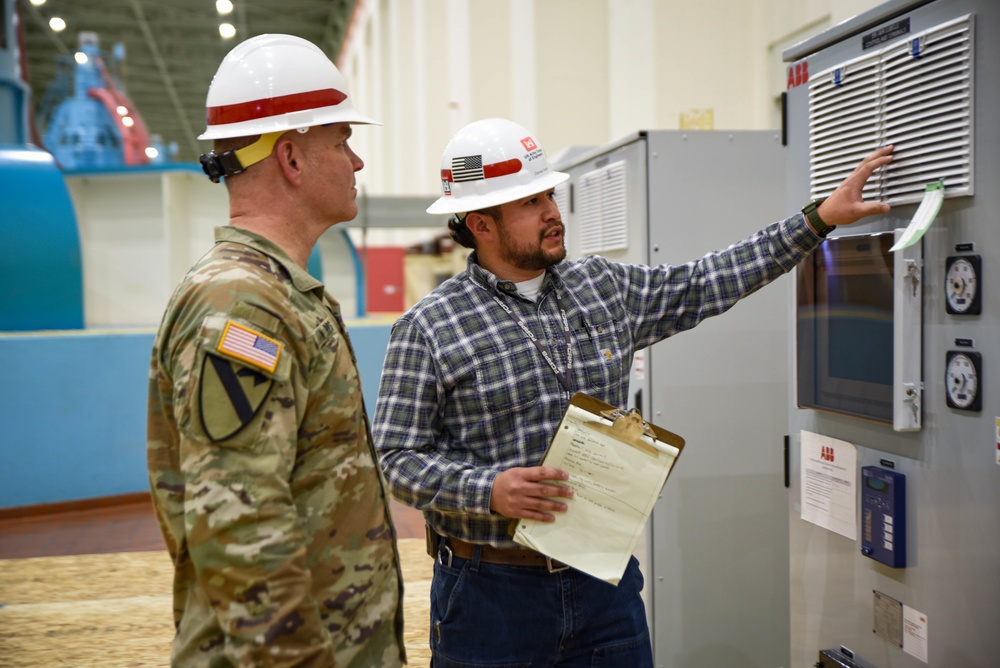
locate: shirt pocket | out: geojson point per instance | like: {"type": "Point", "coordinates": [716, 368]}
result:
{"type": "Point", "coordinates": [603, 345]}
{"type": "Point", "coordinates": [335, 397]}
{"type": "Point", "coordinates": [507, 378]}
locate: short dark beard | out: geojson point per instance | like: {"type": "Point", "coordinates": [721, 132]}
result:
{"type": "Point", "coordinates": [532, 259]}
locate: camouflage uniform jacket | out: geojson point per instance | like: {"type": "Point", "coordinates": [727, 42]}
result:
{"type": "Point", "coordinates": [262, 471]}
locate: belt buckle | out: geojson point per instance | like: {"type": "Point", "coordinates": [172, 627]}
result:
{"type": "Point", "coordinates": [549, 561]}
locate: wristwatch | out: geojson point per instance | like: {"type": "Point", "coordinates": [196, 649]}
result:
{"type": "Point", "coordinates": [811, 212]}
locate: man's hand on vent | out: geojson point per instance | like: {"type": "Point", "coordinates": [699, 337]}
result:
{"type": "Point", "coordinates": [847, 205]}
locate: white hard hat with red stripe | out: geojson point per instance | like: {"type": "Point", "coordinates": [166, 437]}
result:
{"type": "Point", "coordinates": [491, 162]}
{"type": "Point", "coordinates": [275, 83]}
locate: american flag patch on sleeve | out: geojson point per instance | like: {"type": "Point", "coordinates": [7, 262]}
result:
{"type": "Point", "coordinates": [250, 346]}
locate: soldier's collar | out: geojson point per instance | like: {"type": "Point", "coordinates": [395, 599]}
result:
{"type": "Point", "coordinates": [301, 279]}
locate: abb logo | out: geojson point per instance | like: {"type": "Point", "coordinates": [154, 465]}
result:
{"type": "Point", "coordinates": [826, 454]}
{"type": "Point", "coordinates": [798, 74]}
{"type": "Point", "coordinates": [529, 144]}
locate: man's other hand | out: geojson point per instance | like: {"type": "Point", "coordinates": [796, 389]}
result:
{"type": "Point", "coordinates": [527, 493]}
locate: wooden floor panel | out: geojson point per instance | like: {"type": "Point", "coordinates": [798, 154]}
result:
{"type": "Point", "coordinates": [115, 610]}
{"type": "Point", "coordinates": [88, 584]}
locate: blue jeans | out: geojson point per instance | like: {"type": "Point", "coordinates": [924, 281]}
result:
{"type": "Point", "coordinates": [525, 617]}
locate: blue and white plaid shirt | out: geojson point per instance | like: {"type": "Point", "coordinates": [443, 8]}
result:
{"type": "Point", "coordinates": [465, 395]}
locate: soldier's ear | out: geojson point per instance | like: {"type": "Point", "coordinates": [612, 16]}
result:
{"type": "Point", "coordinates": [289, 157]}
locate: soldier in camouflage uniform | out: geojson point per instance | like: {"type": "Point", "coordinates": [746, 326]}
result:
{"type": "Point", "coordinates": [261, 465]}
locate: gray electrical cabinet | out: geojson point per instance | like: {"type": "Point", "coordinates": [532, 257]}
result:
{"type": "Point", "coordinates": [715, 555]}
{"type": "Point", "coordinates": [910, 579]}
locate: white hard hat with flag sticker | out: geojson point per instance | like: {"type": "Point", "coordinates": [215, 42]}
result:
{"type": "Point", "coordinates": [490, 162]}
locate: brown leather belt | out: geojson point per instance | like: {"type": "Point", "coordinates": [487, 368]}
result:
{"type": "Point", "coordinates": [453, 547]}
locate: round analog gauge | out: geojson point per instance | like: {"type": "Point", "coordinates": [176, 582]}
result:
{"type": "Point", "coordinates": [961, 284]}
{"type": "Point", "coordinates": [962, 380]}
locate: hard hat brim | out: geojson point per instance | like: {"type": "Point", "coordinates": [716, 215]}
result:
{"type": "Point", "coordinates": [257, 127]}
{"type": "Point", "coordinates": [447, 204]}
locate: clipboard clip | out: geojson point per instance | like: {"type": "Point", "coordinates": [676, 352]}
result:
{"type": "Point", "coordinates": [633, 421]}
{"type": "Point", "coordinates": [628, 426]}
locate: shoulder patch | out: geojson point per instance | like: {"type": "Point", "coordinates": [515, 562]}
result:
{"type": "Point", "coordinates": [253, 347]}
{"type": "Point", "coordinates": [230, 394]}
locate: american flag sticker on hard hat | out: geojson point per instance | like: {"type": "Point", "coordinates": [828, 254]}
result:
{"type": "Point", "coordinates": [250, 346]}
{"type": "Point", "coordinates": [467, 168]}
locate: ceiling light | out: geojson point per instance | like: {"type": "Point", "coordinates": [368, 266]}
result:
{"type": "Point", "coordinates": [127, 121]}
{"type": "Point", "coordinates": [57, 24]}
{"type": "Point", "coordinates": [122, 110]}
{"type": "Point", "coordinates": [38, 3]}
{"type": "Point", "coordinates": [221, 6]}
{"type": "Point", "coordinates": [151, 152]}
{"type": "Point", "coordinates": [80, 57]}
{"type": "Point", "coordinates": [227, 30]}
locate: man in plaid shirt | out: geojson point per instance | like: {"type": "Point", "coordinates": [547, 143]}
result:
{"type": "Point", "coordinates": [478, 374]}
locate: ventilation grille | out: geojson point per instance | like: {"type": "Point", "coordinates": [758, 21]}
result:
{"type": "Point", "coordinates": [915, 94]}
{"type": "Point", "coordinates": [601, 218]}
{"type": "Point", "coordinates": [561, 196]}
{"type": "Point", "coordinates": [844, 123]}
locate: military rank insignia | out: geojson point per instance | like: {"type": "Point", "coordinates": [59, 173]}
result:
{"type": "Point", "coordinates": [233, 384]}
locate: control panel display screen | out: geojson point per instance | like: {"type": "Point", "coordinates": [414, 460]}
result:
{"type": "Point", "coordinates": [845, 327]}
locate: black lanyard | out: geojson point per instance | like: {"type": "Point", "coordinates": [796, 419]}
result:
{"type": "Point", "coordinates": [534, 339]}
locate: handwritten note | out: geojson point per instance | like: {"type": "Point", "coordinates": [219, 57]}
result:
{"type": "Point", "coordinates": [615, 486]}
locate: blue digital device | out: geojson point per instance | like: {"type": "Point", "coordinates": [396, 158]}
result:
{"type": "Point", "coordinates": [883, 515]}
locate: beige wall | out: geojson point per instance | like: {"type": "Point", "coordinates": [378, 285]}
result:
{"type": "Point", "coordinates": [576, 72]}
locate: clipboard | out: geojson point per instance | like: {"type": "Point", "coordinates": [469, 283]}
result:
{"type": "Point", "coordinates": [627, 426]}
{"type": "Point", "coordinates": [617, 464]}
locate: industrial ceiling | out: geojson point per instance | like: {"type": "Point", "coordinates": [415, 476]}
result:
{"type": "Point", "coordinates": [171, 50]}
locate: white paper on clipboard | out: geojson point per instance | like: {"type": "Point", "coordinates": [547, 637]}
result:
{"type": "Point", "coordinates": [616, 476]}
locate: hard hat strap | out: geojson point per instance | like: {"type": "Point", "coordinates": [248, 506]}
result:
{"type": "Point", "coordinates": [257, 151]}
{"type": "Point", "coordinates": [228, 163]}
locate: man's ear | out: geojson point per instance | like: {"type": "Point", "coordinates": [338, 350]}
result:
{"type": "Point", "coordinates": [289, 156]}
{"type": "Point", "coordinates": [482, 226]}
